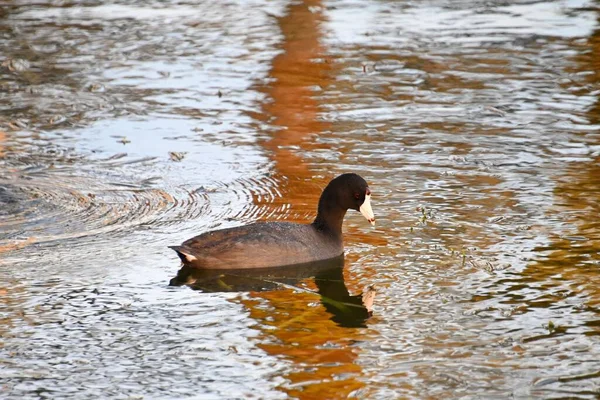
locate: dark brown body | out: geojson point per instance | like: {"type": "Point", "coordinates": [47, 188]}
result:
{"type": "Point", "coordinates": [260, 245]}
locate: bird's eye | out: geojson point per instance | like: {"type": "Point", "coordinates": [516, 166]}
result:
{"type": "Point", "coordinates": [357, 195]}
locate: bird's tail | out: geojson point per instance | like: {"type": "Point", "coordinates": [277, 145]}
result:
{"type": "Point", "coordinates": [184, 254]}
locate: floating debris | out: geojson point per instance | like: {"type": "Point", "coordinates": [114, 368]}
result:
{"type": "Point", "coordinates": [57, 119]}
{"type": "Point", "coordinates": [494, 111]}
{"type": "Point", "coordinates": [17, 124]}
{"type": "Point", "coordinates": [16, 64]}
{"type": "Point", "coordinates": [177, 155]}
{"type": "Point", "coordinates": [96, 88]}
{"type": "Point", "coordinates": [368, 298]}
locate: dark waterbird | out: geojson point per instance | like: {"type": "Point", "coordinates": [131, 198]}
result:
{"type": "Point", "coordinates": [273, 244]}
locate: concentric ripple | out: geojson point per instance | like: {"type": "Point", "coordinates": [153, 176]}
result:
{"type": "Point", "coordinates": [110, 197]}
{"type": "Point", "coordinates": [59, 205]}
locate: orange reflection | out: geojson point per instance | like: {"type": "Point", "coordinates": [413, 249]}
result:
{"type": "Point", "coordinates": [297, 73]}
{"type": "Point", "coordinates": [573, 254]}
{"type": "Point", "coordinates": [322, 352]}
{"type": "Point", "coordinates": [2, 139]}
{"type": "Point", "coordinates": [589, 62]}
{"type": "Point", "coordinates": [316, 330]}
{"type": "Point", "coordinates": [490, 201]}
{"type": "Point", "coordinates": [296, 325]}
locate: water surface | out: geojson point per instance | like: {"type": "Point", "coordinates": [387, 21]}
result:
{"type": "Point", "coordinates": [125, 128]}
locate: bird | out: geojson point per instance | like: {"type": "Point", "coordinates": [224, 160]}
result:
{"type": "Point", "coordinates": [276, 244]}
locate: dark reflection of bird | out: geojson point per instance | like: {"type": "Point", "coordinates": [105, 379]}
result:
{"type": "Point", "coordinates": [347, 310]}
{"type": "Point", "coordinates": [272, 244]}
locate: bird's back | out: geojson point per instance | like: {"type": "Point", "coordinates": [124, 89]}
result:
{"type": "Point", "coordinates": [259, 245]}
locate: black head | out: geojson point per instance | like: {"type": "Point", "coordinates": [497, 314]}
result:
{"type": "Point", "coordinates": [352, 192]}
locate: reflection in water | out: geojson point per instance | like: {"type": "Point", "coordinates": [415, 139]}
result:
{"type": "Point", "coordinates": [477, 121]}
{"type": "Point", "coordinates": [298, 74]}
{"type": "Point", "coordinates": [2, 139]}
{"type": "Point", "coordinates": [347, 310]}
{"type": "Point", "coordinates": [323, 356]}
{"type": "Point", "coordinates": [565, 277]}
{"type": "Point", "coordinates": [287, 307]}
{"type": "Point", "coordinates": [471, 116]}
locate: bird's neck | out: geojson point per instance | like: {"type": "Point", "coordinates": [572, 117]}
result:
{"type": "Point", "coordinates": [330, 215]}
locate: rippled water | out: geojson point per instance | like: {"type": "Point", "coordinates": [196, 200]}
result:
{"type": "Point", "coordinates": [127, 127]}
